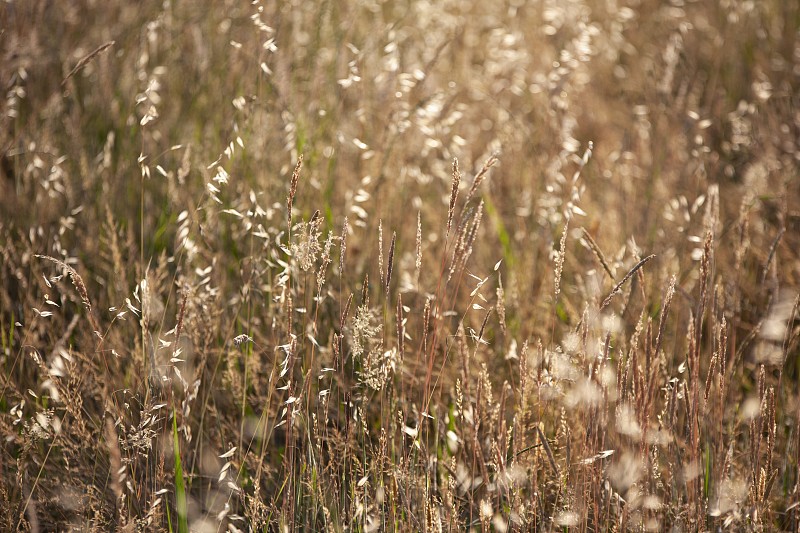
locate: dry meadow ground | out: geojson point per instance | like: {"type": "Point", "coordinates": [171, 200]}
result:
{"type": "Point", "coordinates": [413, 265]}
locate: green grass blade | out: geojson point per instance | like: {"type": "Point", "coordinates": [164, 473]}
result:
{"type": "Point", "coordinates": [180, 489]}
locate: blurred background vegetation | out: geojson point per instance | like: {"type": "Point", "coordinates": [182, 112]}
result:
{"type": "Point", "coordinates": [149, 148]}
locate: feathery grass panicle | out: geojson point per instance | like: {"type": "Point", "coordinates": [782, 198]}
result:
{"type": "Point", "coordinates": [418, 251]}
{"type": "Point", "coordinates": [560, 255]}
{"type": "Point", "coordinates": [77, 282]}
{"type": "Point", "coordinates": [306, 248]}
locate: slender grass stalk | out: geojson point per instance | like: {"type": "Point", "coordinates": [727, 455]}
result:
{"type": "Point", "coordinates": [180, 489]}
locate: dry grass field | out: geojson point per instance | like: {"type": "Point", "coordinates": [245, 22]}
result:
{"type": "Point", "coordinates": [412, 265]}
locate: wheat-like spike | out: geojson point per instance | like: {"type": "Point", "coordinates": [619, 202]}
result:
{"type": "Point", "coordinates": [619, 285]}
{"type": "Point", "coordinates": [472, 236]}
{"type": "Point", "coordinates": [345, 311]}
{"type": "Point", "coordinates": [293, 189]}
{"type": "Point", "coordinates": [289, 313]}
{"type": "Point", "coordinates": [560, 259]}
{"type": "Point", "coordinates": [86, 59]}
{"type": "Point", "coordinates": [483, 327]}
{"type": "Point", "coordinates": [418, 250]}
{"type": "Point", "coordinates": [597, 252]}
{"type": "Point", "coordinates": [400, 326]}
{"type": "Point", "coordinates": [365, 291]}
{"type": "Point", "coordinates": [705, 265]}
{"type": "Point", "coordinates": [772, 249]}
{"type": "Point", "coordinates": [710, 376]}
{"type": "Point", "coordinates": [500, 306]}
{"type": "Point", "coordinates": [389, 265]}
{"type": "Point", "coordinates": [381, 277]}
{"type": "Point", "coordinates": [179, 324]}
{"type": "Point", "coordinates": [453, 194]}
{"type": "Point", "coordinates": [663, 319]}
{"type": "Point", "coordinates": [480, 176]}
{"type": "Point", "coordinates": [426, 320]}
{"type": "Point", "coordinates": [551, 459]}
